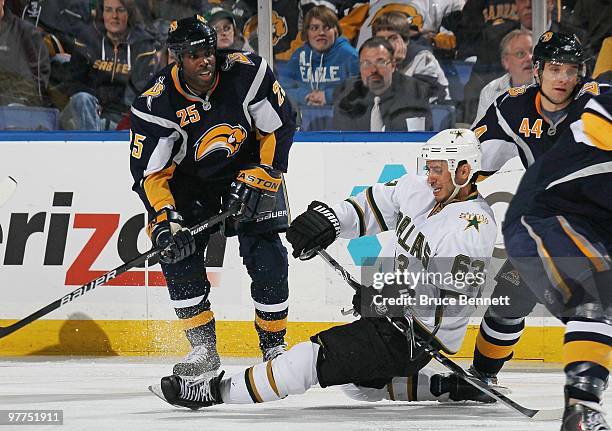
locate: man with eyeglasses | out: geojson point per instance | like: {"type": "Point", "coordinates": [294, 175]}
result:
{"type": "Point", "coordinates": [517, 60]}
{"type": "Point", "coordinates": [526, 122]}
{"type": "Point", "coordinates": [381, 99]}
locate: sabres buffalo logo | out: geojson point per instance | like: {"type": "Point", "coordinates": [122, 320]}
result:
{"type": "Point", "coordinates": [279, 27]}
{"type": "Point", "coordinates": [546, 36]}
{"type": "Point", "coordinates": [173, 26]}
{"type": "Point", "coordinates": [154, 91]}
{"type": "Point", "coordinates": [236, 57]}
{"type": "Point", "coordinates": [222, 137]}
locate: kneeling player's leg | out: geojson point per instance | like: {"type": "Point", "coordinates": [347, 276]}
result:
{"type": "Point", "coordinates": [265, 258]}
{"type": "Point", "coordinates": [426, 385]}
{"type": "Point", "coordinates": [289, 374]}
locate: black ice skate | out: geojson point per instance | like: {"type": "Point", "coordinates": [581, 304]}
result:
{"type": "Point", "coordinates": [460, 390]}
{"type": "Point", "coordinates": [584, 416]}
{"type": "Point", "coordinates": [202, 359]}
{"type": "Point", "coordinates": [193, 394]}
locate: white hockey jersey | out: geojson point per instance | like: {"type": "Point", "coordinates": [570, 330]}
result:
{"type": "Point", "coordinates": [439, 242]}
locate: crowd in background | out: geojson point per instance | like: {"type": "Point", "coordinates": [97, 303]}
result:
{"type": "Point", "coordinates": [382, 65]}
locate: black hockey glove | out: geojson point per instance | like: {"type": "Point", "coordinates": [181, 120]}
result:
{"type": "Point", "coordinates": [167, 233]}
{"type": "Point", "coordinates": [318, 227]}
{"type": "Point", "coordinates": [255, 188]}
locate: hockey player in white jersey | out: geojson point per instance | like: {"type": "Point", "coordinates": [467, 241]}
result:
{"type": "Point", "coordinates": [442, 226]}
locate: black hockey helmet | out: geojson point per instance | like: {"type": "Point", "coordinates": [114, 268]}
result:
{"type": "Point", "coordinates": [559, 48]}
{"type": "Point", "coordinates": [191, 33]}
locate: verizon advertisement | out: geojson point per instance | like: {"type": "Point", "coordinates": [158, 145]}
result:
{"type": "Point", "coordinates": [73, 217]}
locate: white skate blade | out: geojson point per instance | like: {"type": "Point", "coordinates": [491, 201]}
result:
{"type": "Point", "coordinates": [157, 391]}
{"type": "Point", "coordinates": [7, 188]}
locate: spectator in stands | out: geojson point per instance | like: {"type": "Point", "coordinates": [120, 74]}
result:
{"type": "Point", "coordinates": [24, 61]}
{"type": "Point", "coordinates": [382, 99]}
{"type": "Point", "coordinates": [228, 35]}
{"type": "Point", "coordinates": [110, 71]}
{"type": "Point", "coordinates": [412, 58]}
{"type": "Point", "coordinates": [516, 50]}
{"type": "Point", "coordinates": [322, 63]}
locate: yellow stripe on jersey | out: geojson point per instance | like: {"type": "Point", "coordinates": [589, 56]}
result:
{"type": "Point", "coordinates": [157, 189]}
{"type": "Point", "coordinates": [201, 319]}
{"type": "Point", "coordinates": [491, 350]}
{"type": "Point", "coordinates": [598, 261]}
{"type": "Point", "coordinates": [271, 325]}
{"type": "Point", "coordinates": [549, 266]}
{"type": "Point", "coordinates": [271, 379]}
{"type": "Point", "coordinates": [375, 210]}
{"type": "Point", "coordinates": [598, 129]}
{"type": "Point", "coordinates": [589, 351]}
{"type": "Point", "coordinates": [267, 148]}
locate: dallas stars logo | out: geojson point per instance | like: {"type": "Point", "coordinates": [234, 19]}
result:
{"type": "Point", "coordinates": [474, 220]}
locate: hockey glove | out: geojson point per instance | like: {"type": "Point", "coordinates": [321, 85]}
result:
{"type": "Point", "coordinates": [318, 227]}
{"type": "Point", "coordinates": [167, 233]}
{"type": "Point", "coordinates": [256, 189]}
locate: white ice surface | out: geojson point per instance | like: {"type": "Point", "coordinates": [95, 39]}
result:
{"type": "Point", "coordinates": [111, 394]}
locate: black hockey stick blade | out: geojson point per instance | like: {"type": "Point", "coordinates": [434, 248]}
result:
{"type": "Point", "coordinates": [541, 415]}
{"type": "Point", "coordinates": [114, 273]}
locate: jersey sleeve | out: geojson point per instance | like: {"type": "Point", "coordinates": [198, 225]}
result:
{"type": "Point", "coordinates": [157, 146]}
{"type": "Point", "coordinates": [498, 145]}
{"type": "Point", "coordinates": [273, 116]}
{"type": "Point", "coordinates": [372, 211]}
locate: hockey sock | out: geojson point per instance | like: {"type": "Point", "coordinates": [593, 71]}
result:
{"type": "Point", "coordinates": [495, 342]}
{"type": "Point", "coordinates": [587, 356]}
{"type": "Point", "coordinates": [271, 326]}
{"type": "Point", "coordinates": [198, 322]}
{"type": "Point", "coordinates": [291, 373]}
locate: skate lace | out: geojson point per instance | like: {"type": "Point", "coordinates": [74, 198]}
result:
{"type": "Point", "coordinates": [197, 354]}
{"type": "Point", "coordinates": [195, 391]}
{"type": "Point", "coordinates": [273, 352]}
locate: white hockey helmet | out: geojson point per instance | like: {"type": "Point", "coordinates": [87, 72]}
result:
{"type": "Point", "coordinates": [453, 146]}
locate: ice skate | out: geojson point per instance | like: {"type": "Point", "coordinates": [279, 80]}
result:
{"type": "Point", "coordinates": [584, 416]}
{"type": "Point", "coordinates": [202, 359]}
{"type": "Point", "coordinates": [193, 394]}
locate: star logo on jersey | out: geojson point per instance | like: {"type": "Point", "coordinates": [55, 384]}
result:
{"type": "Point", "coordinates": [222, 137]}
{"type": "Point", "coordinates": [474, 220]}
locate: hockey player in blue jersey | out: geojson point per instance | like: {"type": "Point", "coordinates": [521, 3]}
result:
{"type": "Point", "coordinates": [526, 122]}
{"type": "Point", "coordinates": [558, 236]}
{"type": "Point", "coordinates": [214, 129]}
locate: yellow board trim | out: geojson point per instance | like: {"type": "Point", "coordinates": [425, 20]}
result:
{"type": "Point", "coordinates": [234, 339]}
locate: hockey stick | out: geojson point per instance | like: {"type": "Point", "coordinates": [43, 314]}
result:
{"type": "Point", "coordinates": [541, 415]}
{"type": "Point", "coordinates": [105, 278]}
{"type": "Point", "coordinates": [7, 188]}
